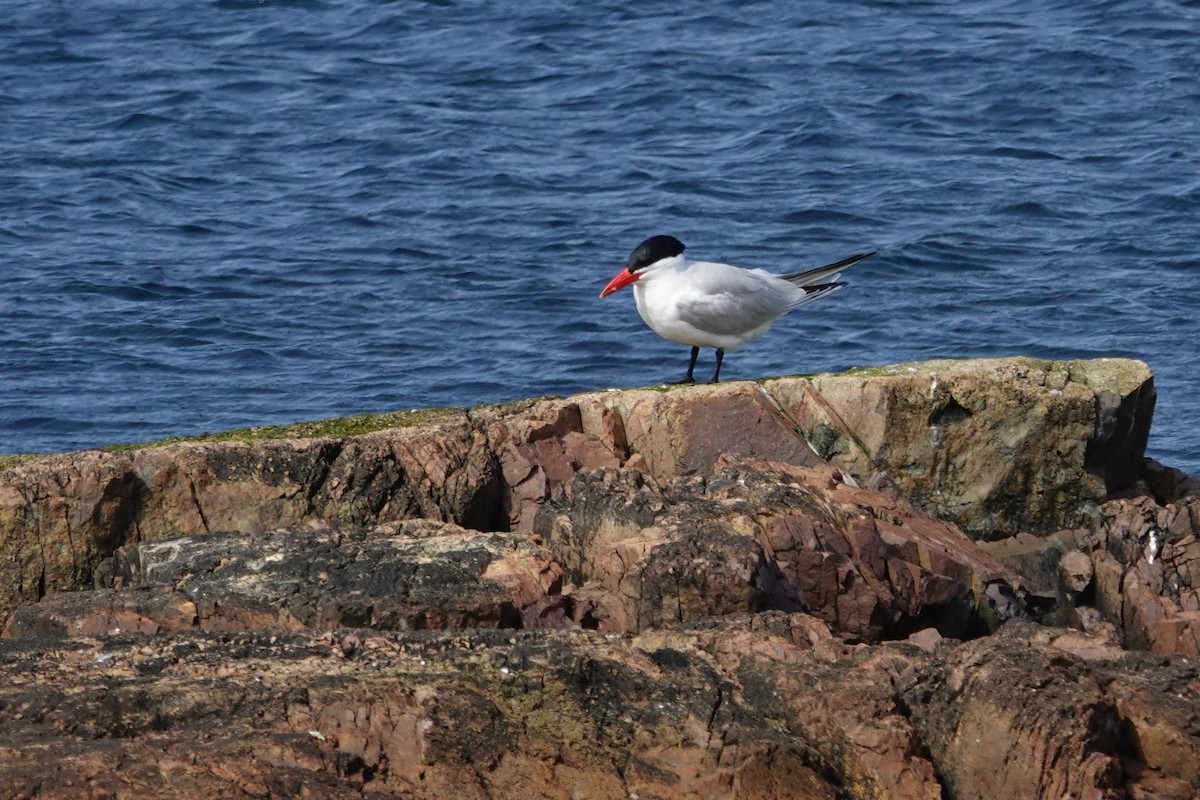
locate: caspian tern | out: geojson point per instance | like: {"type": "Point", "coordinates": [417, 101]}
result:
{"type": "Point", "coordinates": [704, 304]}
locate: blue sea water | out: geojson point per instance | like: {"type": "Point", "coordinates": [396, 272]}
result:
{"type": "Point", "coordinates": [222, 213]}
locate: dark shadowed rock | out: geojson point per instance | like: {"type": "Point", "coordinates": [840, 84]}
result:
{"type": "Point", "coordinates": [759, 536]}
{"type": "Point", "coordinates": [1147, 573]}
{"type": "Point", "coordinates": [402, 576]}
{"type": "Point", "coordinates": [986, 745]}
{"type": "Point", "coordinates": [59, 516]}
{"type": "Point", "coordinates": [1133, 572]}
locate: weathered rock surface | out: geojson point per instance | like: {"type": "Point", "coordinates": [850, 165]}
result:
{"type": "Point", "coordinates": [814, 587]}
{"type": "Point", "coordinates": [996, 445]}
{"type": "Point", "coordinates": [410, 575]}
{"type": "Point", "coordinates": [750, 706]}
{"type": "Point", "coordinates": [759, 535]}
{"type": "Point", "coordinates": [1043, 713]}
{"type": "Point", "coordinates": [635, 555]}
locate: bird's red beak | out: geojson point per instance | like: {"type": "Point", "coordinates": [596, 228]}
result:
{"type": "Point", "coordinates": [620, 281]}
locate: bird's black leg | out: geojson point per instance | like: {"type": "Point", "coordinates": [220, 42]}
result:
{"type": "Point", "coordinates": [720, 355]}
{"type": "Point", "coordinates": [691, 366]}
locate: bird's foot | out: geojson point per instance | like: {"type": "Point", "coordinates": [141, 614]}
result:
{"type": "Point", "coordinates": [683, 381]}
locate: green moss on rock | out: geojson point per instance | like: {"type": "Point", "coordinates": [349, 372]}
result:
{"type": "Point", "coordinates": [8, 462]}
{"type": "Point", "coordinates": [333, 428]}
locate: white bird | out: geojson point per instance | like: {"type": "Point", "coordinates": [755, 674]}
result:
{"type": "Point", "coordinates": [704, 304]}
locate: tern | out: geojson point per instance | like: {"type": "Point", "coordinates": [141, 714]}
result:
{"type": "Point", "coordinates": [704, 304]}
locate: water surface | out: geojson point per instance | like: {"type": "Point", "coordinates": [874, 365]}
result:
{"type": "Point", "coordinates": [230, 213]}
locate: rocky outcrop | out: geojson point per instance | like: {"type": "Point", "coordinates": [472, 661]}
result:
{"type": "Point", "coordinates": [634, 555]}
{"type": "Point", "coordinates": [995, 446]}
{"type": "Point", "coordinates": [952, 579]}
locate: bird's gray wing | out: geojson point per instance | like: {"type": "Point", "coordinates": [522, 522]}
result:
{"type": "Point", "coordinates": [745, 303]}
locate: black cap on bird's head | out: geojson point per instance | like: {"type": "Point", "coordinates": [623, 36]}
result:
{"type": "Point", "coordinates": [653, 249]}
{"type": "Point", "coordinates": [656, 248]}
